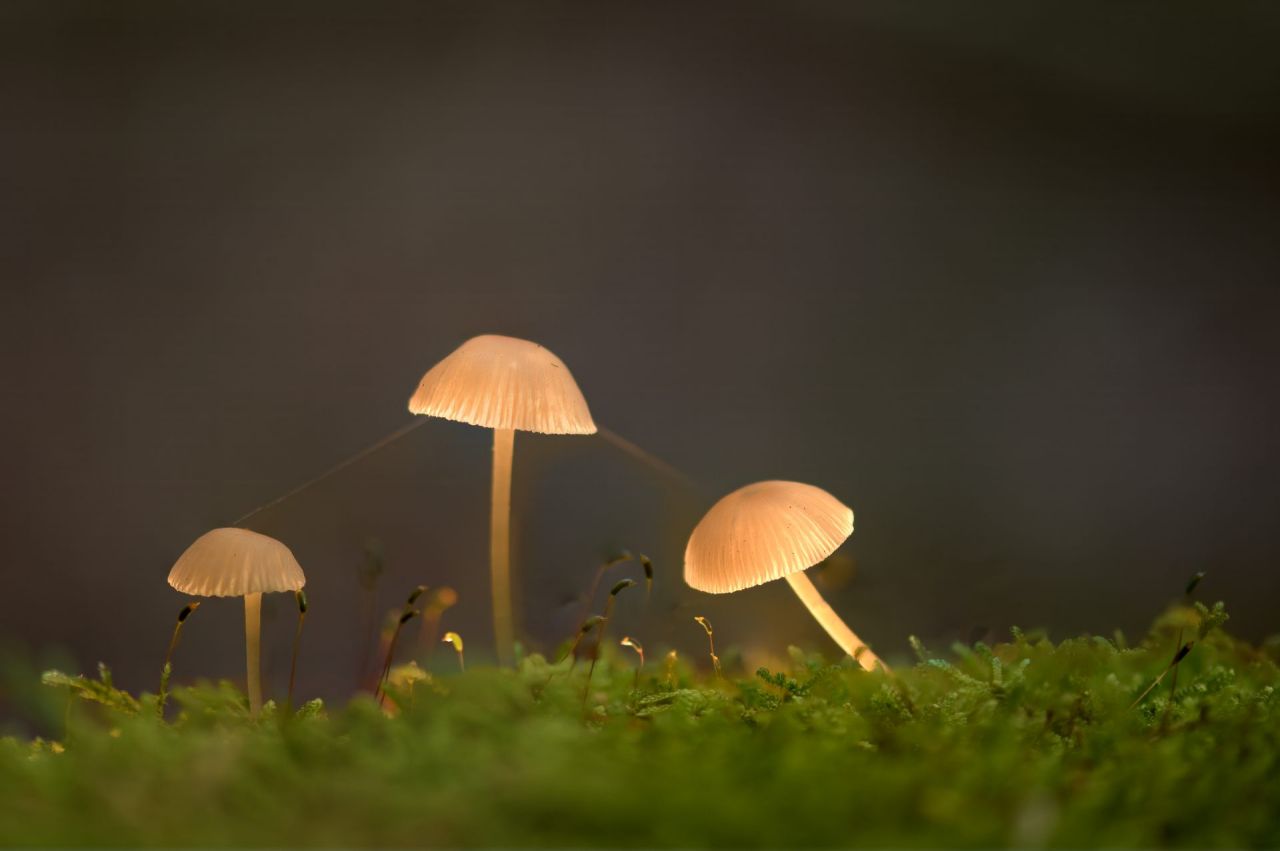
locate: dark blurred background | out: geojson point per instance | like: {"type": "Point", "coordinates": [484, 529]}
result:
{"type": "Point", "coordinates": [1003, 277]}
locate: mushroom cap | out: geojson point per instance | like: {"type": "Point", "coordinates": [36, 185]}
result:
{"type": "Point", "coordinates": [504, 382]}
{"type": "Point", "coordinates": [235, 562]}
{"type": "Point", "coordinates": [762, 532]}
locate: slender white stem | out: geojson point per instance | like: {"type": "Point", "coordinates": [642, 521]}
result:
{"type": "Point", "coordinates": [500, 543]}
{"type": "Point", "coordinates": [831, 622]}
{"type": "Point", "coordinates": [252, 650]}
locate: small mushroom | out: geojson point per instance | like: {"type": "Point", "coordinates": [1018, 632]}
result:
{"type": "Point", "coordinates": [774, 530]}
{"type": "Point", "coordinates": [239, 563]}
{"type": "Point", "coordinates": [508, 385]}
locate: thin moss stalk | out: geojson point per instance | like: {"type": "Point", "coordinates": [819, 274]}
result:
{"type": "Point", "coordinates": [405, 617]}
{"type": "Point", "coordinates": [167, 670]}
{"type": "Point", "coordinates": [711, 641]}
{"type": "Point", "coordinates": [587, 625]}
{"type": "Point", "coordinates": [1178, 656]}
{"type": "Point", "coordinates": [618, 588]}
{"type": "Point", "coordinates": [406, 614]}
{"type": "Point", "coordinates": [1210, 619]}
{"type": "Point", "coordinates": [1177, 644]}
{"type": "Point", "coordinates": [621, 558]}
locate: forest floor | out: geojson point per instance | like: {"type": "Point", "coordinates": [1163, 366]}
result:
{"type": "Point", "coordinates": [1026, 743]}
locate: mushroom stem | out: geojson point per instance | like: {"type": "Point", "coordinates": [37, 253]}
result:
{"type": "Point", "coordinates": [831, 622]}
{"type": "Point", "coordinates": [252, 649]}
{"type": "Point", "coordinates": [500, 542]}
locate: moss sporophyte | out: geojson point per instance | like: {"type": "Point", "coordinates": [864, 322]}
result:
{"type": "Point", "coordinates": [627, 641]}
{"type": "Point", "coordinates": [456, 640]}
{"type": "Point", "coordinates": [167, 671]}
{"type": "Point", "coordinates": [407, 613]}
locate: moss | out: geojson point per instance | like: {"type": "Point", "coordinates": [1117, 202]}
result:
{"type": "Point", "coordinates": [1024, 743]}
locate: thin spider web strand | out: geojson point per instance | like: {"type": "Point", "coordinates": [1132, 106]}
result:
{"type": "Point", "coordinates": [337, 468]}
{"type": "Point", "coordinates": [611, 437]}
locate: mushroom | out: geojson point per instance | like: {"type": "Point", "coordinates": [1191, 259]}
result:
{"type": "Point", "coordinates": [239, 563]}
{"type": "Point", "coordinates": [508, 385]}
{"type": "Point", "coordinates": [774, 530]}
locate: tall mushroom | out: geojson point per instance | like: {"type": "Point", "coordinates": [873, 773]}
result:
{"type": "Point", "coordinates": [774, 530]}
{"type": "Point", "coordinates": [239, 563]}
{"type": "Point", "coordinates": [508, 385]}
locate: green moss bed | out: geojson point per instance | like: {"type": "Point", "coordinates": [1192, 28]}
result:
{"type": "Point", "coordinates": [1023, 743]}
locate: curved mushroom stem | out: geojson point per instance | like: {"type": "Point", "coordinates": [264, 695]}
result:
{"type": "Point", "coordinates": [500, 542]}
{"type": "Point", "coordinates": [831, 622]}
{"type": "Point", "coordinates": [252, 648]}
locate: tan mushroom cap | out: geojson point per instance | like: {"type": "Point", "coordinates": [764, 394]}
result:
{"type": "Point", "coordinates": [504, 382]}
{"type": "Point", "coordinates": [235, 562]}
{"type": "Point", "coordinates": [762, 532]}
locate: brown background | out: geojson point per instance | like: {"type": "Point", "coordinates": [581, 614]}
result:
{"type": "Point", "coordinates": [1004, 278]}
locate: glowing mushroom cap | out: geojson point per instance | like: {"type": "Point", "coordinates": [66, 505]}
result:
{"type": "Point", "coordinates": [762, 532]}
{"type": "Point", "coordinates": [233, 563]}
{"type": "Point", "coordinates": [503, 382]}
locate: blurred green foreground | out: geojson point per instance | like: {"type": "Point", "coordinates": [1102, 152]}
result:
{"type": "Point", "coordinates": [1025, 743]}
